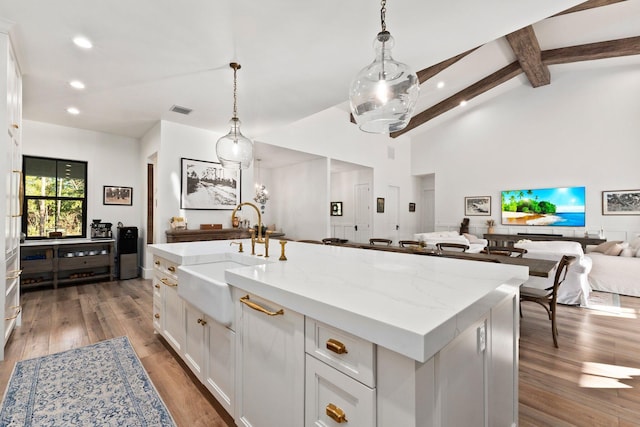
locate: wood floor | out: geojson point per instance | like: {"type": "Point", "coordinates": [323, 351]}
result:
{"type": "Point", "coordinates": [593, 379]}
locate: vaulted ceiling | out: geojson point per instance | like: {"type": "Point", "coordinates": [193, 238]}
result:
{"type": "Point", "coordinates": [297, 58]}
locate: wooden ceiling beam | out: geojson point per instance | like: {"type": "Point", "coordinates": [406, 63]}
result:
{"type": "Point", "coordinates": [470, 92]}
{"type": "Point", "coordinates": [524, 44]}
{"type": "Point", "coordinates": [592, 51]}
{"type": "Point", "coordinates": [590, 4]}
{"type": "Point", "coordinates": [427, 73]}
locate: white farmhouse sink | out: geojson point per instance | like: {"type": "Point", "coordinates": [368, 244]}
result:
{"type": "Point", "coordinates": [204, 287]}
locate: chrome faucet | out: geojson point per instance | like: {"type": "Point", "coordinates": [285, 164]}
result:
{"type": "Point", "coordinates": [260, 238]}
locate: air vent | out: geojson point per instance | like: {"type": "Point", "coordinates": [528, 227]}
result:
{"type": "Point", "coordinates": [180, 110]}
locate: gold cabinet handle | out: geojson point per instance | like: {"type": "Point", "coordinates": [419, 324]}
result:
{"type": "Point", "coordinates": [18, 310]}
{"type": "Point", "coordinates": [14, 274]}
{"type": "Point", "coordinates": [156, 286]}
{"type": "Point", "coordinates": [335, 413]}
{"type": "Point", "coordinates": [168, 283]}
{"type": "Point", "coordinates": [336, 346]}
{"type": "Point", "coordinates": [15, 126]}
{"type": "Point", "coordinates": [157, 316]}
{"type": "Point", "coordinates": [251, 304]}
{"type": "Point", "coordinates": [172, 269]}
{"type": "Point", "coordinates": [157, 263]}
{"type": "Point", "coordinates": [202, 322]}
{"type": "Point", "coordinates": [20, 191]}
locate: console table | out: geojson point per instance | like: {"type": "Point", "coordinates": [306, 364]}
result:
{"type": "Point", "coordinates": [511, 239]}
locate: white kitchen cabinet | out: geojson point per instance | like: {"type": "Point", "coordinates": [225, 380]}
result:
{"type": "Point", "coordinates": [269, 363]}
{"type": "Point", "coordinates": [171, 323]}
{"type": "Point", "coordinates": [10, 208]}
{"type": "Point", "coordinates": [209, 351]}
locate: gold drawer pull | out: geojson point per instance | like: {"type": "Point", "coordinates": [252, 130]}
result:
{"type": "Point", "coordinates": [202, 322]}
{"type": "Point", "coordinates": [336, 414]}
{"type": "Point", "coordinates": [168, 283]}
{"type": "Point", "coordinates": [336, 346]}
{"type": "Point", "coordinates": [14, 274]}
{"type": "Point", "coordinates": [245, 300]}
{"type": "Point", "coordinates": [15, 126]}
{"type": "Point", "coordinates": [157, 263]}
{"type": "Point", "coordinates": [172, 269]}
{"type": "Point", "coordinates": [157, 316]}
{"type": "Point", "coordinates": [156, 286]}
{"type": "Point", "coordinates": [18, 310]}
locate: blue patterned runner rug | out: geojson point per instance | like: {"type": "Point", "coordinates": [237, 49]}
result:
{"type": "Point", "coordinates": [102, 384]}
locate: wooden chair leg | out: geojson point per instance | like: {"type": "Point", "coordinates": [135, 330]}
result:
{"type": "Point", "coordinates": [554, 328]}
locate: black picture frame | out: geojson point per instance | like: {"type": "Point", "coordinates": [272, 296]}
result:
{"type": "Point", "coordinates": [336, 209]}
{"type": "Point", "coordinates": [208, 186]}
{"type": "Point", "coordinates": [412, 207]}
{"type": "Point", "coordinates": [380, 205]}
{"type": "Point", "coordinates": [116, 195]}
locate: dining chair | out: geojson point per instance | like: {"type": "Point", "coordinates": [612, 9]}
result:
{"type": "Point", "coordinates": [374, 241]}
{"type": "Point", "coordinates": [548, 298]}
{"type": "Point", "coordinates": [405, 243]}
{"type": "Point", "coordinates": [459, 247]}
{"type": "Point", "coordinates": [504, 250]}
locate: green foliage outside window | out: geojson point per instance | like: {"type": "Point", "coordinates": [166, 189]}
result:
{"type": "Point", "coordinates": [55, 197]}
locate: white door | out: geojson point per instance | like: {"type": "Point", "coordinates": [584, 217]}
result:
{"type": "Point", "coordinates": [362, 213]}
{"type": "Point", "coordinates": [391, 211]}
{"type": "Point", "coordinates": [428, 218]}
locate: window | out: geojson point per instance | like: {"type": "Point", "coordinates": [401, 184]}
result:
{"type": "Point", "coordinates": [55, 198]}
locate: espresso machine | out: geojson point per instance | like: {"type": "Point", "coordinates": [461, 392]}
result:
{"type": "Point", "coordinates": [101, 230]}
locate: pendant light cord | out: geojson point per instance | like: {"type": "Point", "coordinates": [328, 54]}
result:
{"type": "Point", "coordinates": [383, 11]}
{"type": "Point", "coordinates": [235, 67]}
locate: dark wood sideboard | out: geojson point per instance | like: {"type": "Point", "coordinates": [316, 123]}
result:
{"type": "Point", "coordinates": [174, 236]}
{"type": "Point", "coordinates": [510, 239]}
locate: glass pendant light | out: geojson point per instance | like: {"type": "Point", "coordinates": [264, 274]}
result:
{"type": "Point", "coordinates": [383, 95]}
{"type": "Point", "coordinates": [262, 195]}
{"type": "Point", "coordinates": [234, 150]}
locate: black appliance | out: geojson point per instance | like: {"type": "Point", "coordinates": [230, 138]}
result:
{"type": "Point", "coordinates": [127, 247]}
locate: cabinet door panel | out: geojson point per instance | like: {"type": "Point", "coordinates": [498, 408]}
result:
{"type": "Point", "coordinates": [270, 367]}
{"type": "Point", "coordinates": [220, 364]}
{"type": "Point", "coordinates": [173, 318]}
{"type": "Point", "coordinates": [194, 339]}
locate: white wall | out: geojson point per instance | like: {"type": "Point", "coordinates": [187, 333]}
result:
{"type": "Point", "coordinates": [111, 160]}
{"type": "Point", "coordinates": [581, 130]}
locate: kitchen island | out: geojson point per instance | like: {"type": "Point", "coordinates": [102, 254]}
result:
{"type": "Point", "coordinates": [338, 334]}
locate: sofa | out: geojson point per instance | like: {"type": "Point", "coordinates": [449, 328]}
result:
{"type": "Point", "coordinates": [430, 239]}
{"type": "Point", "coordinates": [575, 289]}
{"type": "Point", "coordinates": [616, 267]}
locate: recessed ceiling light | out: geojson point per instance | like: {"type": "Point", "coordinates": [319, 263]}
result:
{"type": "Point", "coordinates": [76, 84]}
{"type": "Point", "coordinates": [83, 42]}
{"type": "Point", "coordinates": [440, 84]}
{"type": "Point", "coordinates": [463, 103]}
{"type": "Point", "coordinates": [73, 110]}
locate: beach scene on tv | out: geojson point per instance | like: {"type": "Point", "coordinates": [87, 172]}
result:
{"type": "Point", "coordinates": [563, 207]}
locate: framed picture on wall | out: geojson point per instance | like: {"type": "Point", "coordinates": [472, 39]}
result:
{"type": "Point", "coordinates": [207, 185]}
{"type": "Point", "coordinates": [380, 205]}
{"type": "Point", "coordinates": [477, 205]}
{"type": "Point", "coordinates": [336, 208]}
{"type": "Point", "coordinates": [621, 202]}
{"type": "Point", "coordinates": [112, 195]}
{"type": "Point", "coordinates": [412, 207]}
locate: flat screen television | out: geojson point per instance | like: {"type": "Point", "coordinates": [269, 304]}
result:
{"type": "Point", "coordinates": [549, 207]}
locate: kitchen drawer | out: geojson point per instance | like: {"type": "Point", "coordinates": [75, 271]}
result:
{"type": "Point", "coordinates": [345, 352]}
{"type": "Point", "coordinates": [157, 290]}
{"type": "Point", "coordinates": [84, 262]}
{"type": "Point", "coordinates": [163, 267]}
{"type": "Point", "coordinates": [157, 325]}
{"type": "Point", "coordinates": [332, 398]}
{"type": "Point", "coordinates": [12, 310]}
{"type": "Point", "coordinates": [37, 266]}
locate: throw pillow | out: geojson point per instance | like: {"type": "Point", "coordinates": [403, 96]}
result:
{"type": "Point", "coordinates": [608, 246]}
{"type": "Point", "coordinates": [635, 243]}
{"type": "Point", "coordinates": [627, 252]}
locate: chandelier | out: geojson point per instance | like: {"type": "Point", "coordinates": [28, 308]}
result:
{"type": "Point", "coordinates": [383, 95]}
{"type": "Point", "coordinates": [234, 150]}
{"type": "Point", "coordinates": [262, 195]}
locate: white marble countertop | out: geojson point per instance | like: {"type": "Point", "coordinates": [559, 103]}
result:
{"type": "Point", "coordinates": [48, 242]}
{"type": "Point", "coordinates": [410, 304]}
